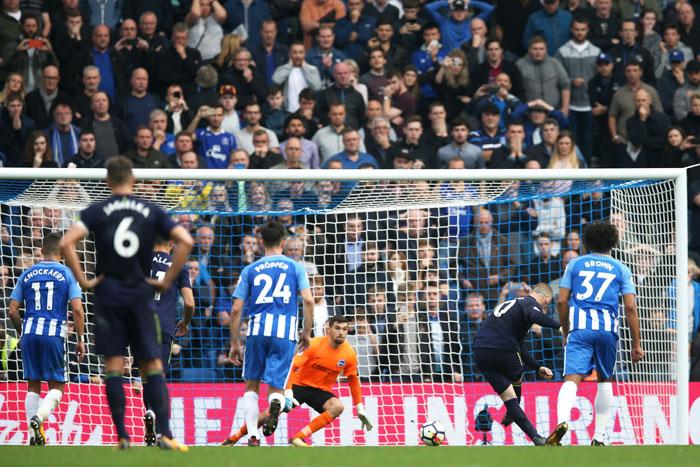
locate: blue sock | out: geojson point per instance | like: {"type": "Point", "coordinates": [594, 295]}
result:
{"type": "Point", "coordinates": [117, 402]}
{"type": "Point", "coordinates": [520, 419]}
{"type": "Point", "coordinates": [155, 393]}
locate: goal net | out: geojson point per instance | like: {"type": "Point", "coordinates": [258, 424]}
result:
{"type": "Point", "coordinates": [415, 259]}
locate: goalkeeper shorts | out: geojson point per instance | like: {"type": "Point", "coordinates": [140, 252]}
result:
{"type": "Point", "coordinates": [313, 397]}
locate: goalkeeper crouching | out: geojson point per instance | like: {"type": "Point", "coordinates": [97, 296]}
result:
{"type": "Point", "coordinates": [314, 372]}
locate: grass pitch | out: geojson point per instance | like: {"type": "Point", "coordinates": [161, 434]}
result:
{"type": "Point", "coordinates": [658, 456]}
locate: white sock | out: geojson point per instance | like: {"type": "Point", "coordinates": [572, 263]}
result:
{"type": "Point", "coordinates": [566, 401]}
{"type": "Point", "coordinates": [50, 402]}
{"type": "Point", "coordinates": [603, 405]}
{"type": "Point", "coordinates": [251, 412]}
{"type": "Point", "coordinates": [31, 404]}
{"type": "Point", "coordinates": [276, 395]}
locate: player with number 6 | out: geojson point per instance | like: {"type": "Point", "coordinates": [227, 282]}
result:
{"type": "Point", "coordinates": [268, 288]}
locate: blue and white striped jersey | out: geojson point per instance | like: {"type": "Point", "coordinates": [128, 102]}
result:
{"type": "Point", "coordinates": [596, 283]}
{"type": "Point", "coordinates": [269, 287]}
{"type": "Point", "coordinates": [45, 289]}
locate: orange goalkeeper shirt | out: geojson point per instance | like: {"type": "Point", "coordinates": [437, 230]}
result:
{"type": "Point", "coordinates": [320, 364]}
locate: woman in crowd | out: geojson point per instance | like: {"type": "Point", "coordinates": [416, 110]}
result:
{"type": "Point", "coordinates": [453, 83]}
{"type": "Point", "coordinates": [37, 151]}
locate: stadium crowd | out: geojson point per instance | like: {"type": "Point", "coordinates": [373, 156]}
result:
{"type": "Point", "coordinates": [332, 84]}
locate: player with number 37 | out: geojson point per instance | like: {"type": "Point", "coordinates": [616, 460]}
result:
{"type": "Point", "coordinates": [268, 289]}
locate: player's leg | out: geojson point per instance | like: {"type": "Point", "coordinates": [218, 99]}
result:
{"type": "Point", "coordinates": [50, 401]}
{"type": "Point", "coordinates": [254, 364]}
{"type": "Point", "coordinates": [325, 403]}
{"type": "Point", "coordinates": [277, 367]}
{"type": "Point", "coordinates": [149, 418]}
{"type": "Point", "coordinates": [251, 410]}
{"type": "Point", "coordinates": [514, 411]}
{"type": "Point", "coordinates": [114, 373]}
{"type": "Point", "coordinates": [606, 351]}
{"type": "Point", "coordinates": [243, 430]}
{"type": "Point", "coordinates": [31, 405]}
{"type": "Point", "coordinates": [31, 365]}
{"type": "Point", "coordinates": [518, 388]}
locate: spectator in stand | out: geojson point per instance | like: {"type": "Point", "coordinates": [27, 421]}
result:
{"type": "Point", "coordinates": [149, 30]}
{"type": "Point", "coordinates": [177, 63]}
{"type": "Point", "coordinates": [646, 132]}
{"type": "Point", "coordinates": [542, 152]}
{"type": "Point", "coordinates": [246, 78]}
{"type": "Point", "coordinates": [551, 23]}
{"type": "Point", "coordinates": [436, 134]}
{"type": "Point", "coordinates": [551, 214]}
{"type": "Point", "coordinates": [384, 39]}
{"type": "Point", "coordinates": [354, 79]}
{"type": "Point", "coordinates": [261, 157]}
{"type": "Point", "coordinates": [133, 50]}
{"type": "Point", "coordinates": [670, 43]}
{"type": "Point", "coordinates": [270, 54]}
{"type": "Point", "coordinates": [30, 53]}
{"type": "Point", "coordinates": [324, 56]}
{"type": "Point", "coordinates": [544, 77]}
{"type": "Point", "coordinates": [329, 139]}
{"type": "Point", "coordinates": [460, 147]}
{"type": "Point", "coordinates": [671, 80]}
{"type": "Point", "coordinates": [651, 39]}
{"type": "Point", "coordinates": [162, 140]}
{"type": "Point", "coordinates": [62, 134]}
{"type": "Point", "coordinates": [139, 104]}
{"type": "Point", "coordinates": [352, 157]}
{"type": "Point", "coordinates": [681, 98]}
{"type": "Point", "coordinates": [376, 77]}
{"type": "Point", "coordinates": [605, 25]}
{"type": "Point", "coordinates": [296, 75]}
{"type": "Point", "coordinates": [398, 103]}
{"type": "Point", "coordinates": [545, 266]}
{"type": "Point", "coordinates": [578, 57]}
{"type": "Point", "coordinates": [205, 34]}
{"type": "Point", "coordinates": [427, 58]}
{"type": "Point", "coordinates": [292, 155]}
{"type": "Point", "coordinates": [207, 91]}
{"type": "Point", "coordinates": [160, 9]}
{"type": "Point", "coordinates": [564, 155]}
{"type": "Point", "coordinates": [179, 114]}
{"type": "Point", "coordinates": [15, 128]}
{"type": "Point", "coordinates": [214, 145]}
{"type": "Point", "coordinates": [228, 98]}
{"type": "Point", "coordinates": [307, 111]}
{"type": "Point", "coordinates": [454, 87]}
{"type": "Point", "coordinates": [455, 26]}
{"type": "Point", "coordinates": [143, 156]}
{"type": "Point", "coordinates": [113, 69]}
{"type": "Point", "coordinates": [512, 154]}
{"type": "Point", "coordinates": [252, 115]}
{"type": "Point", "coordinates": [111, 133]}
{"type": "Point", "coordinates": [294, 128]}
{"type": "Point", "coordinates": [184, 143]}
{"type": "Point", "coordinates": [628, 50]}
{"type": "Point", "coordinates": [410, 146]}
{"type": "Point", "coordinates": [13, 83]}
{"type": "Point", "coordinates": [378, 139]}
{"type": "Point", "coordinates": [533, 115]}
{"type": "Point", "coordinates": [470, 321]}
{"type": "Point", "coordinates": [490, 136]}
{"type": "Point", "coordinates": [354, 30]}
{"type": "Point", "coordinates": [342, 91]}
{"type": "Point", "coordinates": [82, 102]}
{"type": "Point", "coordinates": [85, 158]}
{"type": "Point", "coordinates": [40, 101]}
{"type": "Point", "coordinates": [622, 106]}
{"type": "Point", "coordinates": [690, 30]}
{"type": "Point", "coordinates": [315, 13]}
{"type": "Point", "coordinates": [274, 113]}
{"type": "Point", "coordinates": [601, 89]}
{"type": "Point", "coordinates": [487, 72]}
{"type": "Point", "coordinates": [691, 123]}
{"type": "Point", "coordinates": [37, 152]}
{"type": "Point", "coordinates": [70, 34]}
{"type": "Point", "coordinates": [509, 28]}
{"type": "Point", "coordinates": [245, 18]}
{"type": "Point", "coordinates": [10, 17]}
{"type": "Point", "coordinates": [475, 48]}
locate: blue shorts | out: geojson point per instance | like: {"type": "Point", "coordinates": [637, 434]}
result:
{"type": "Point", "coordinates": [268, 359]}
{"type": "Point", "coordinates": [586, 349]}
{"type": "Point", "coordinates": [43, 358]}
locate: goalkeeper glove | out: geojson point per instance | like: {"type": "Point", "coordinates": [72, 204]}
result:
{"type": "Point", "coordinates": [366, 424]}
{"type": "Point", "coordinates": [289, 401]}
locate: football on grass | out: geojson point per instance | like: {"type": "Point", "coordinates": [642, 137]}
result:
{"type": "Point", "coordinates": [432, 433]}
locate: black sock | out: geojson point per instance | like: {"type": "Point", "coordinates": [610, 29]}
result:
{"type": "Point", "coordinates": [518, 388]}
{"type": "Point", "coordinates": [117, 402]}
{"type": "Point", "coordinates": [155, 393]}
{"type": "Point", "coordinates": [520, 419]}
{"type": "Point", "coordinates": [146, 405]}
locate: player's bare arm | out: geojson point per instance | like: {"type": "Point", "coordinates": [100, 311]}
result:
{"type": "Point", "coordinates": [630, 302]}
{"type": "Point", "coordinates": [15, 317]}
{"type": "Point", "coordinates": [308, 299]}
{"type": "Point", "coordinates": [183, 246]}
{"type": "Point", "coordinates": [67, 246]}
{"type": "Point", "coordinates": [79, 321]}
{"type": "Point", "coordinates": [563, 309]}
{"type": "Point", "coordinates": [188, 301]}
{"type": "Point", "coordinates": [234, 325]}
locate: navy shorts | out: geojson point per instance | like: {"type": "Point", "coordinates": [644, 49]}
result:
{"type": "Point", "coordinates": [499, 367]}
{"type": "Point", "coordinates": [43, 358]}
{"type": "Point", "coordinates": [117, 328]}
{"type": "Point", "coordinates": [313, 397]}
{"type": "Point", "coordinates": [268, 359]}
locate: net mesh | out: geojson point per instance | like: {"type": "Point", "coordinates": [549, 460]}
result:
{"type": "Point", "coordinates": [403, 260]}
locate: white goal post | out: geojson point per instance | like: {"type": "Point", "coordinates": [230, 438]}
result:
{"type": "Point", "coordinates": [388, 203]}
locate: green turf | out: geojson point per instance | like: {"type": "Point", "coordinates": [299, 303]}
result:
{"type": "Point", "coordinates": [658, 456]}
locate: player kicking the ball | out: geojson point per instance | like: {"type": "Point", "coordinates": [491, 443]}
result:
{"type": "Point", "coordinates": [314, 372]}
{"type": "Point", "coordinates": [588, 306]}
{"type": "Point", "coordinates": [501, 355]}
{"type": "Point", "coordinates": [269, 287]}
{"type": "Point", "coordinates": [125, 228]}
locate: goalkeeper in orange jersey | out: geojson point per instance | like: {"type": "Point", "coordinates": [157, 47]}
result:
{"type": "Point", "coordinates": [314, 372]}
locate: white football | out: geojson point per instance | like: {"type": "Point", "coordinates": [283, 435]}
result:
{"type": "Point", "coordinates": [432, 433]}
